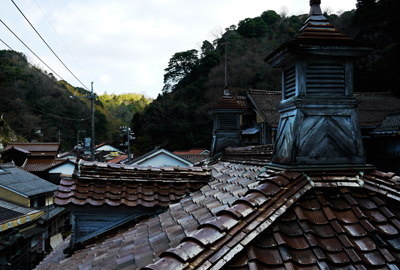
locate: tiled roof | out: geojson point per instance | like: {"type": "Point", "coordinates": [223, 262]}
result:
{"type": "Point", "coordinates": [228, 102]}
{"type": "Point", "coordinates": [194, 158]}
{"type": "Point", "coordinates": [24, 182]}
{"type": "Point", "coordinates": [391, 125]}
{"type": "Point", "coordinates": [374, 107]}
{"type": "Point", "coordinates": [250, 218]}
{"type": "Point", "coordinates": [317, 31]}
{"type": "Point", "coordinates": [11, 211]}
{"type": "Point", "coordinates": [96, 184]}
{"type": "Point", "coordinates": [143, 243]}
{"type": "Point", "coordinates": [254, 155]}
{"type": "Point", "coordinates": [356, 230]}
{"type": "Point", "coordinates": [21, 150]}
{"type": "Point", "coordinates": [39, 164]}
{"type": "Point", "coordinates": [118, 159]}
{"type": "Point", "coordinates": [190, 152]}
{"type": "Point", "coordinates": [242, 101]}
{"type": "Point", "coordinates": [35, 147]}
{"type": "Point", "coordinates": [295, 221]}
{"type": "Point", "coordinates": [52, 211]}
{"type": "Point", "coordinates": [43, 154]}
{"type": "Point", "coordinates": [265, 103]}
{"type": "Point", "coordinates": [6, 214]}
{"type": "Point", "coordinates": [100, 145]}
{"type": "Point", "coordinates": [372, 110]}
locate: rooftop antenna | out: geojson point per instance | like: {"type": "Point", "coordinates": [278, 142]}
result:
{"type": "Point", "coordinates": [226, 90]}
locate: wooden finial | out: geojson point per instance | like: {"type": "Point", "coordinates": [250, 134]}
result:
{"type": "Point", "coordinates": [315, 7]}
{"type": "Point", "coordinates": [315, 2]}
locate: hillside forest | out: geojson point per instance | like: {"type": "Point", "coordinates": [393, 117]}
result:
{"type": "Point", "coordinates": [193, 81]}
{"type": "Point", "coordinates": [36, 107]}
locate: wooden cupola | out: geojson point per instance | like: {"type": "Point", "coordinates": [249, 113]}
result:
{"type": "Point", "coordinates": [226, 120]}
{"type": "Point", "coordinates": [318, 122]}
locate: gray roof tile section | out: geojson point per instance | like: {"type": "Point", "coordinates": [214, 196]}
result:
{"type": "Point", "coordinates": [25, 183]}
{"type": "Point", "coordinates": [391, 125]}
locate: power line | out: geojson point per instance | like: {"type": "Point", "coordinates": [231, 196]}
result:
{"type": "Point", "coordinates": [55, 83]}
{"type": "Point", "coordinates": [49, 46]}
{"type": "Point", "coordinates": [66, 118]}
{"type": "Point", "coordinates": [30, 49]}
{"type": "Point", "coordinates": [62, 40]}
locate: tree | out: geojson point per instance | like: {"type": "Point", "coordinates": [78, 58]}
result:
{"type": "Point", "coordinates": [179, 66]}
{"type": "Point", "coordinates": [270, 17]}
{"type": "Point", "coordinates": [206, 47]}
{"type": "Point", "coordinates": [252, 28]}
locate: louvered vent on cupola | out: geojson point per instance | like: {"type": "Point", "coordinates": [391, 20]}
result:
{"type": "Point", "coordinates": [228, 121]}
{"type": "Point", "coordinates": [325, 79]}
{"type": "Point", "coordinates": [290, 83]}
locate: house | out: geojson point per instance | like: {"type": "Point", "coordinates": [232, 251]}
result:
{"type": "Point", "coordinates": [260, 121]}
{"type": "Point", "coordinates": [316, 204]}
{"type": "Point", "coordinates": [160, 157]}
{"type": "Point", "coordinates": [28, 217]}
{"type": "Point", "coordinates": [65, 167]}
{"type": "Point", "coordinates": [226, 123]}
{"type": "Point", "coordinates": [106, 152]}
{"type": "Point", "coordinates": [194, 155]}
{"type": "Point", "coordinates": [33, 157]}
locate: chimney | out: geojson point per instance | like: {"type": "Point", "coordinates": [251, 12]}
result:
{"type": "Point", "coordinates": [226, 118]}
{"type": "Point", "coordinates": [318, 125]}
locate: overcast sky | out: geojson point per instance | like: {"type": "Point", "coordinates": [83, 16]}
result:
{"type": "Point", "coordinates": [124, 46]}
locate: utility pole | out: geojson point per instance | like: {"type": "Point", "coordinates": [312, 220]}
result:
{"type": "Point", "coordinates": [92, 96]}
{"type": "Point", "coordinates": [77, 139]}
{"type": "Point", "coordinates": [129, 137]}
{"type": "Point", "coordinates": [59, 136]}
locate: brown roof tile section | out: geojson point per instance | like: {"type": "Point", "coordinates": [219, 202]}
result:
{"type": "Point", "coordinates": [99, 184]}
{"type": "Point", "coordinates": [38, 164]}
{"type": "Point", "coordinates": [115, 193]}
{"type": "Point", "coordinates": [228, 102]}
{"type": "Point", "coordinates": [194, 158]}
{"type": "Point", "coordinates": [194, 151]}
{"type": "Point", "coordinates": [322, 229]}
{"type": "Point", "coordinates": [142, 244]}
{"type": "Point", "coordinates": [250, 218]}
{"type": "Point", "coordinates": [118, 159]}
{"type": "Point", "coordinates": [35, 147]}
{"type": "Point", "coordinates": [242, 101]}
{"type": "Point", "coordinates": [254, 155]}
{"type": "Point", "coordinates": [328, 240]}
